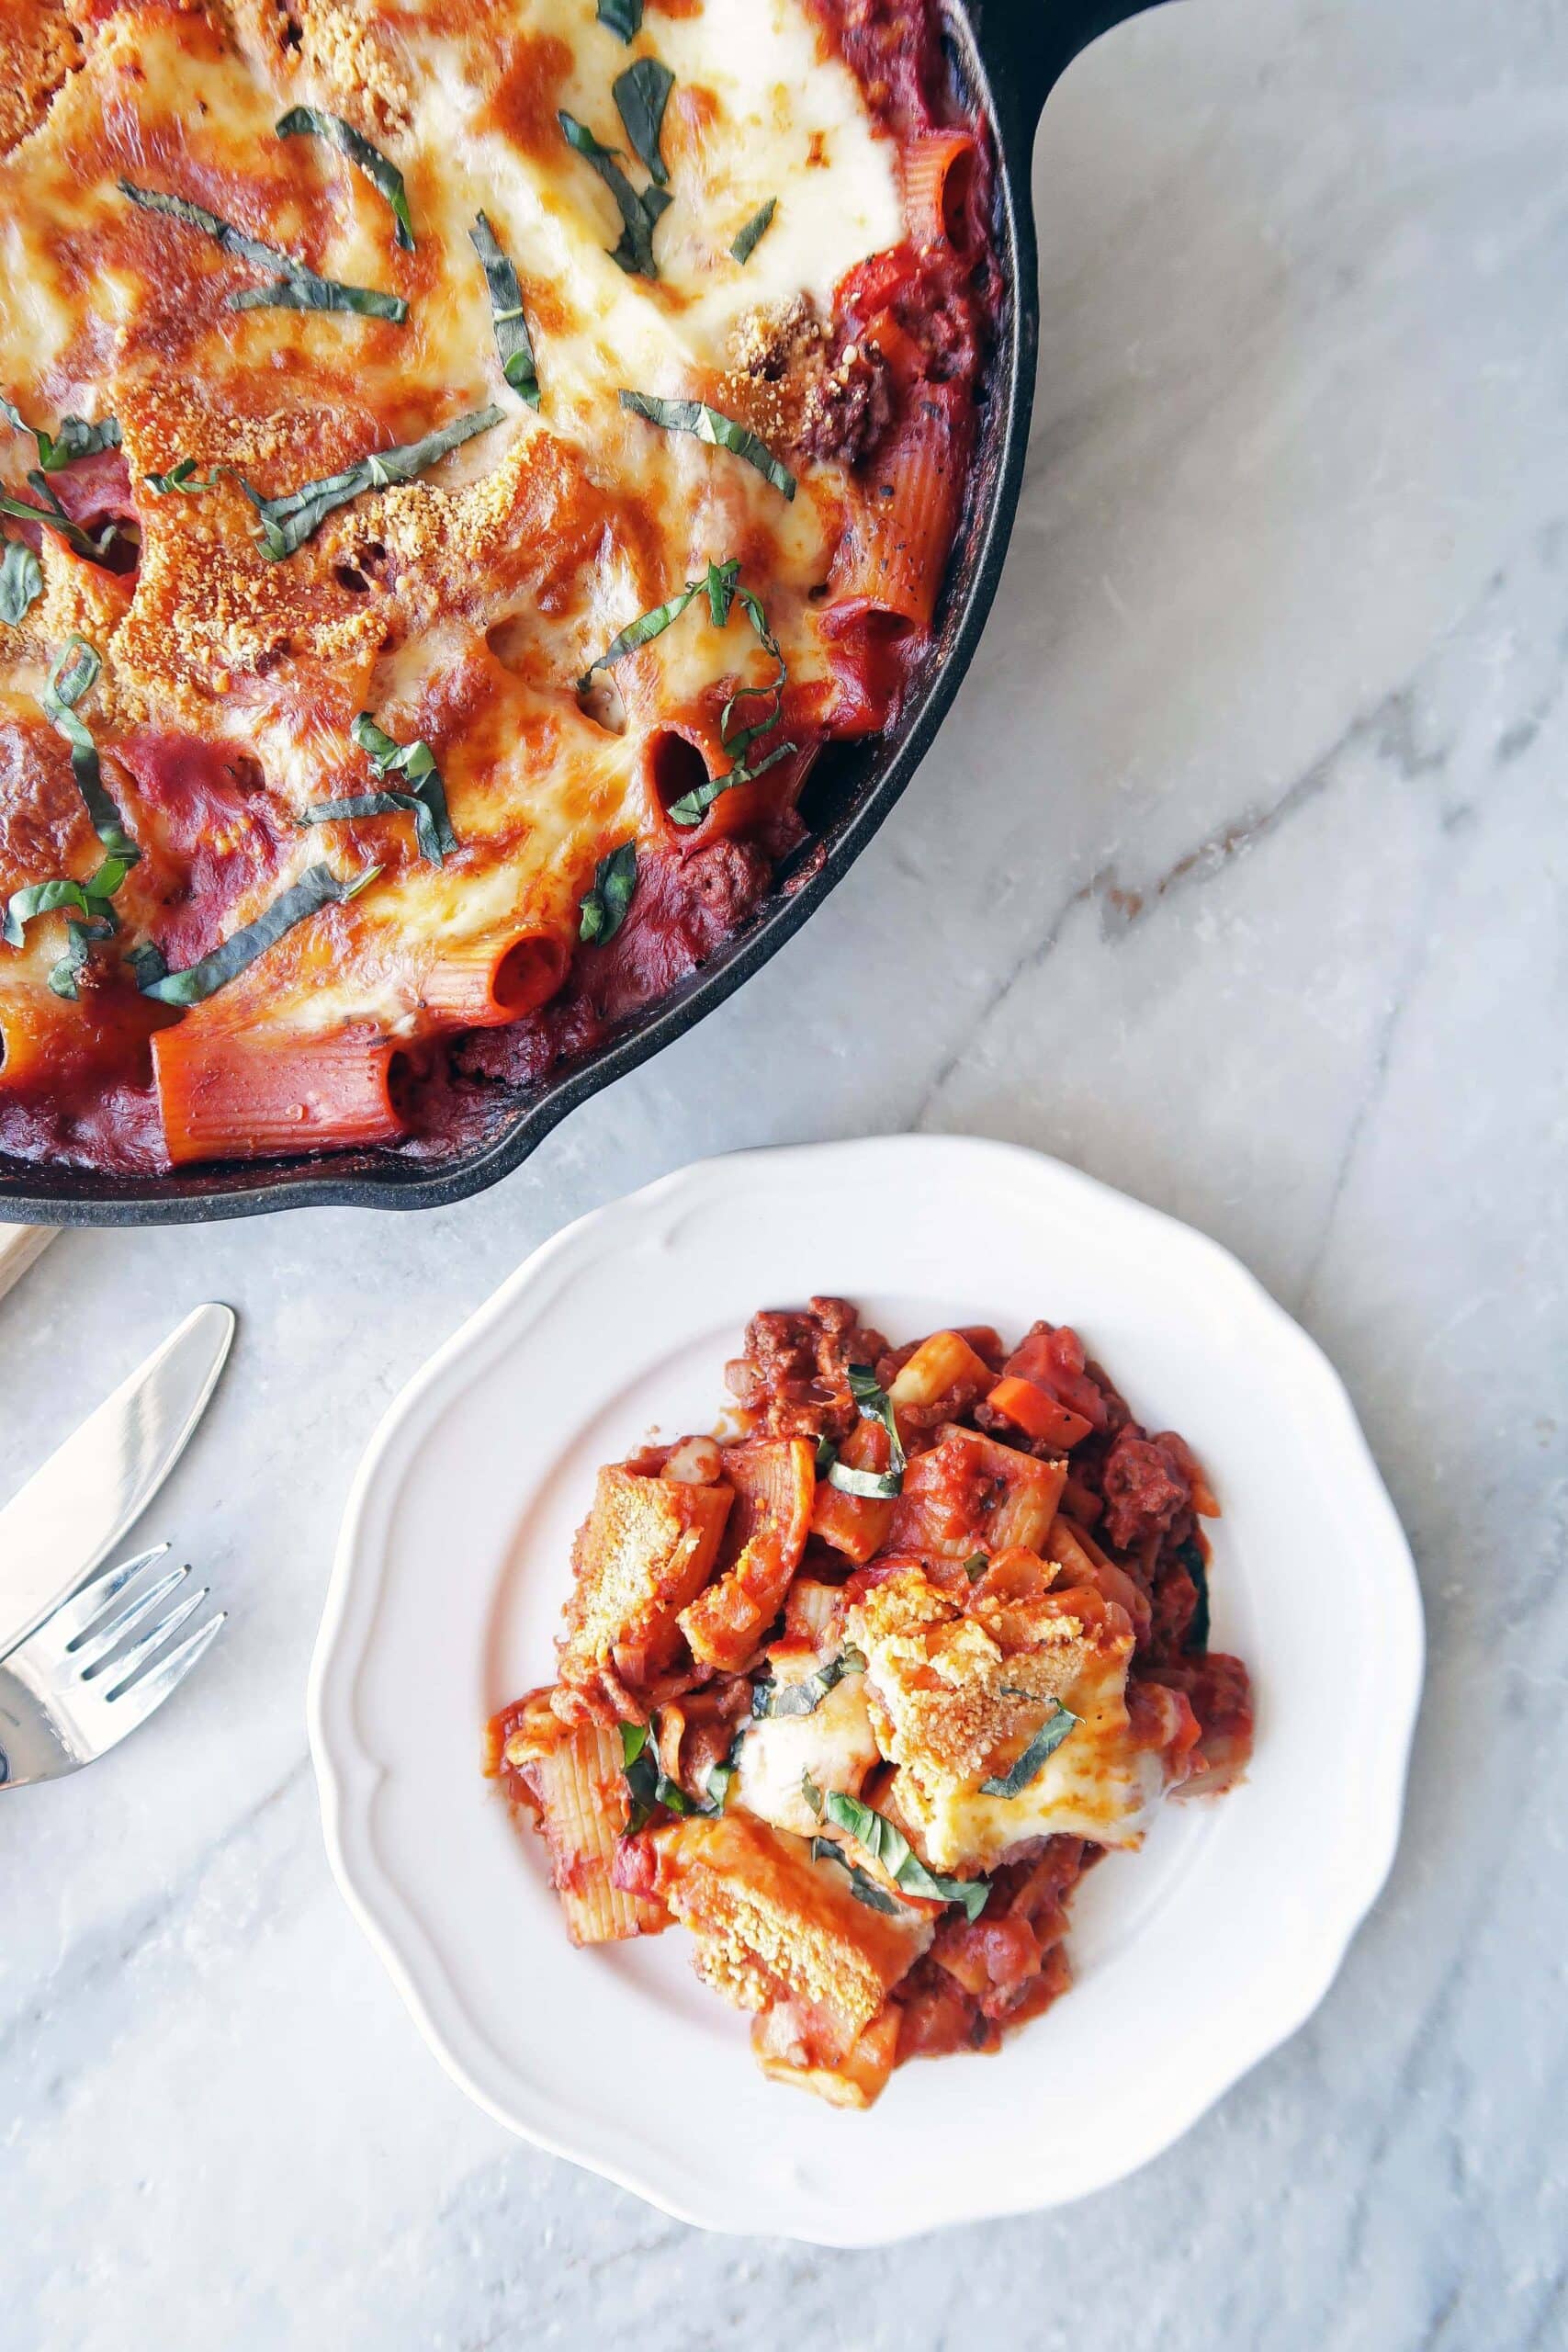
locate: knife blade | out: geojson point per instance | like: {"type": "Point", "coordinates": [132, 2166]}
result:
{"type": "Point", "coordinates": [74, 1511]}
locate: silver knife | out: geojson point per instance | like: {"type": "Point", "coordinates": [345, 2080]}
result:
{"type": "Point", "coordinates": [78, 1506]}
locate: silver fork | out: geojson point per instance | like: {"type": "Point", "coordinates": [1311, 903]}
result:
{"type": "Point", "coordinates": [72, 1690]}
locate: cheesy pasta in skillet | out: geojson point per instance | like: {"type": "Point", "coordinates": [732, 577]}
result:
{"type": "Point", "coordinates": [460, 463]}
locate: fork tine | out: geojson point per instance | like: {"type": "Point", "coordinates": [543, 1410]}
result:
{"type": "Point", "coordinates": [126, 1669]}
{"type": "Point", "coordinates": [141, 1699]}
{"type": "Point", "coordinates": [92, 1659]}
{"type": "Point", "coordinates": [78, 1614]}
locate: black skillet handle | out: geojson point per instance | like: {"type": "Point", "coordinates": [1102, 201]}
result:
{"type": "Point", "coordinates": [1026, 45]}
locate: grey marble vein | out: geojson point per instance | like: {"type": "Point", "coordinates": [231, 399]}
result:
{"type": "Point", "coordinates": [1236, 877]}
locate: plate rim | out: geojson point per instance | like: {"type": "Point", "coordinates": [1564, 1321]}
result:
{"type": "Point", "coordinates": [345, 1771]}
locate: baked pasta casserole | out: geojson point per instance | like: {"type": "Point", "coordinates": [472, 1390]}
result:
{"type": "Point", "coordinates": [460, 462]}
{"type": "Point", "coordinates": [856, 1694]}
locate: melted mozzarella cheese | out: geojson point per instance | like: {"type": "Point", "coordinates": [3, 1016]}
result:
{"type": "Point", "coordinates": [561, 524]}
{"type": "Point", "coordinates": [834, 1746]}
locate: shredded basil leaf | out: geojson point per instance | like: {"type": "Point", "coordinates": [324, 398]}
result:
{"type": "Point", "coordinates": [812, 1794]}
{"type": "Point", "coordinates": [77, 437]}
{"type": "Point", "coordinates": [691, 806]}
{"type": "Point", "coordinates": [751, 235]}
{"type": "Point", "coordinates": [650, 1786]}
{"type": "Point", "coordinates": [288, 522]}
{"type": "Point", "coordinates": [72, 679]}
{"type": "Point", "coordinates": [723, 1774]}
{"type": "Point", "coordinates": [182, 476]}
{"type": "Point", "coordinates": [622, 17]}
{"type": "Point", "coordinates": [641, 631]}
{"type": "Point", "coordinates": [771, 1701]}
{"type": "Point", "coordinates": [712, 425]}
{"type": "Point", "coordinates": [506, 313]}
{"type": "Point", "coordinates": [873, 1402]}
{"type": "Point", "coordinates": [302, 293]}
{"type": "Point", "coordinates": [975, 1566]}
{"type": "Point", "coordinates": [147, 961]}
{"type": "Point", "coordinates": [862, 1886]}
{"type": "Point", "coordinates": [1192, 1560]}
{"type": "Point", "coordinates": [639, 1765]}
{"type": "Point", "coordinates": [826, 1455]}
{"type": "Point", "coordinates": [719, 584]}
{"type": "Point", "coordinates": [640, 212]}
{"type": "Point", "coordinates": [878, 1485]}
{"type": "Point", "coordinates": [21, 580]}
{"type": "Point", "coordinates": [382, 174]}
{"type": "Point", "coordinates": [426, 799]}
{"type": "Point", "coordinates": [719, 580]}
{"type": "Point", "coordinates": [317, 888]}
{"type": "Point", "coordinates": [53, 517]}
{"type": "Point", "coordinates": [81, 937]}
{"type": "Point", "coordinates": [889, 1847]}
{"type": "Point", "coordinates": [295, 287]}
{"type": "Point", "coordinates": [602, 910]}
{"type": "Point", "coordinates": [641, 93]}
{"type": "Point", "coordinates": [90, 898]}
{"type": "Point", "coordinates": [1032, 1763]}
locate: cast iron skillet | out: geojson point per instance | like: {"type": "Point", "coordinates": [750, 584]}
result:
{"type": "Point", "coordinates": [1005, 54]}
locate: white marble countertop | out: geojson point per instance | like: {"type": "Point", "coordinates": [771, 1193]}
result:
{"type": "Point", "coordinates": [1233, 878]}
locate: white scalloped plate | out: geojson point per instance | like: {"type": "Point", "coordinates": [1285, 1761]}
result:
{"type": "Point", "coordinates": [1192, 1959]}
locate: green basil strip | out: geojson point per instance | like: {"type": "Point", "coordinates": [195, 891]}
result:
{"type": "Point", "coordinates": [148, 963]}
{"type": "Point", "coordinates": [303, 293]}
{"type": "Point", "coordinates": [975, 1566]}
{"type": "Point", "coordinates": [317, 888]}
{"type": "Point", "coordinates": [641, 93]}
{"type": "Point", "coordinates": [722, 1774]}
{"type": "Point", "coordinates": [1032, 1763]}
{"type": "Point", "coordinates": [719, 580]}
{"type": "Point", "coordinates": [771, 1701]}
{"type": "Point", "coordinates": [72, 679]}
{"type": "Point", "coordinates": [426, 795]}
{"type": "Point", "coordinates": [82, 937]}
{"type": "Point", "coordinates": [641, 213]}
{"type": "Point", "coordinates": [862, 1886]}
{"type": "Point", "coordinates": [641, 631]}
{"type": "Point", "coordinates": [694, 806]}
{"type": "Point", "coordinates": [639, 1766]}
{"type": "Point", "coordinates": [182, 476]}
{"type": "Point", "coordinates": [77, 437]}
{"type": "Point", "coordinates": [53, 517]}
{"type": "Point", "coordinates": [298, 288]}
{"type": "Point", "coordinates": [712, 425]}
{"type": "Point", "coordinates": [384, 177]}
{"type": "Point", "coordinates": [21, 580]}
{"type": "Point", "coordinates": [602, 910]}
{"type": "Point", "coordinates": [875, 1405]}
{"type": "Point", "coordinates": [873, 1485]}
{"type": "Point", "coordinates": [889, 1847]}
{"type": "Point", "coordinates": [756, 229]}
{"type": "Point", "coordinates": [506, 313]}
{"type": "Point", "coordinates": [288, 522]}
{"type": "Point", "coordinates": [90, 898]}
{"type": "Point", "coordinates": [1197, 1567]}
{"type": "Point", "coordinates": [620, 16]}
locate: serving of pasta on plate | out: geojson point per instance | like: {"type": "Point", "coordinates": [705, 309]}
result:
{"type": "Point", "coordinates": [856, 1692]}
